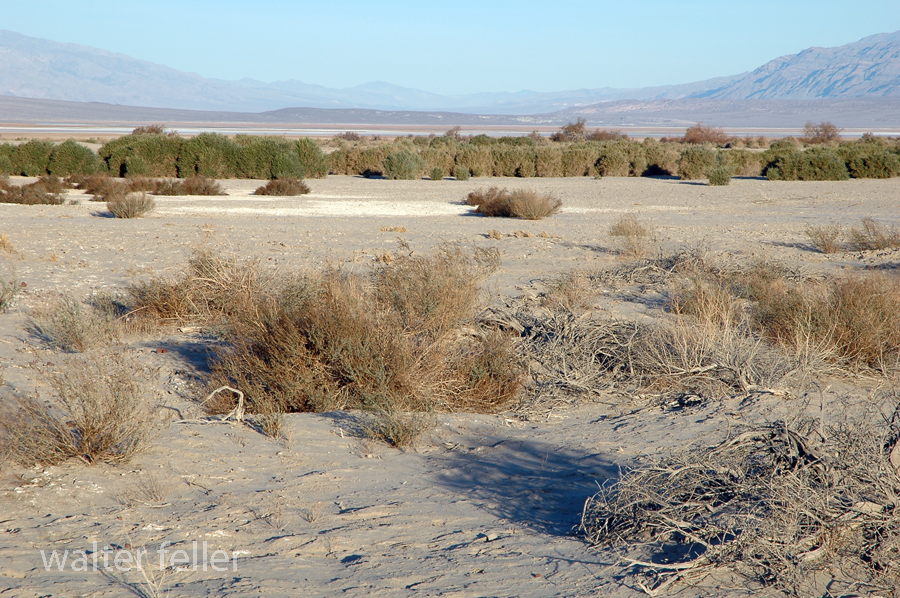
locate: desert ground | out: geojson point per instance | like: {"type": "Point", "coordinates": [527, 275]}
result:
{"type": "Point", "coordinates": [481, 505]}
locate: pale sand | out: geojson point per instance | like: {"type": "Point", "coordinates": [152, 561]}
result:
{"type": "Point", "coordinates": [485, 505]}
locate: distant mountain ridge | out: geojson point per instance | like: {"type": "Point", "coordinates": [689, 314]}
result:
{"type": "Point", "coordinates": [43, 69]}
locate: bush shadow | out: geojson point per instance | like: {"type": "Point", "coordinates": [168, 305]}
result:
{"type": "Point", "coordinates": [534, 484]}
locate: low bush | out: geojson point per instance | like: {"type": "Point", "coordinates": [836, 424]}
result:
{"type": "Point", "coordinates": [133, 205]}
{"type": "Point", "coordinates": [636, 237]}
{"type": "Point", "coordinates": [142, 154]}
{"type": "Point", "coordinates": [403, 165]}
{"type": "Point", "coordinates": [32, 158]}
{"type": "Point", "coordinates": [9, 290]}
{"type": "Point", "coordinates": [209, 155]}
{"type": "Point", "coordinates": [825, 238]}
{"type": "Point", "coordinates": [70, 158]}
{"type": "Point", "coordinates": [521, 203]}
{"type": "Point", "coordinates": [852, 321]}
{"type": "Point", "coordinates": [437, 174]}
{"type": "Point", "coordinates": [873, 235]}
{"type": "Point", "coordinates": [192, 185]}
{"type": "Point", "coordinates": [33, 194]}
{"type": "Point", "coordinates": [461, 173]}
{"type": "Point", "coordinates": [283, 188]}
{"type": "Point", "coordinates": [386, 342]}
{"type": "Point", "coordinates": [870, 161]}
{"type": "Point", "coordinates": [696, 162]}
{"type": "Point", "coordinates": [814, 164]}
{"type": "Point", "coordinates": [101, 411]}
{"type": "Point", "coordinates": [719, 176]}
{"type": "Point", "coordinates": [68, 325]}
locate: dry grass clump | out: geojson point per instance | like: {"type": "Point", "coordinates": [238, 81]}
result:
{"type": "Point", "coordinates": [853, 321]}
{"type": "Point", "coordinates": [871, 234]}
{"type": "Point", "coordinates": [390, 341]}
{"type": "Point", "coordinates": [193, 185]}
{"type": "Point", "coordinates": [67, 324]}
{"type": "Point", "coordinates": [521, 203]}
{"type": "Point", "coordinates": [396, 429]}
{"type": "Point", "coordinates": [6, 245]}
{"type": "Point", "coordinates": [36, 193]}
{"type": "Point", "coordinates": [825, 238]}
{"type": "Point", "coordinates": [100, 410]}
{"type": "Point", "coordinates": [211, 288]}
{"type": "Point", "coordinates": [133, 205]}
{"type": "Point", "coordinates": [9, 290]}
{"type": "Point", "coordinates": [635, 237]}
{"type": "Point", "coordinates": [781, 507]}
{"type": "Point", "coordinates": [283, 188]}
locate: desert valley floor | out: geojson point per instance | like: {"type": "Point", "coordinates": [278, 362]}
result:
{"type": "Point", "coordinates": [482, 505]}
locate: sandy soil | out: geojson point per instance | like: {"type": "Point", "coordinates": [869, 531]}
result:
{"type": "Point", "coordinates": [484, 505]}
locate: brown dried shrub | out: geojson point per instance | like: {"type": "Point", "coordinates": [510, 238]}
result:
{"type": "Point", "coordinates": [283, 188]}
{"type": "Point", "coordinates": [100, 410]}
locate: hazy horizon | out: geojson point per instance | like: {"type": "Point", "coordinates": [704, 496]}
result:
{"type": "Point", "coordinates": [467, 48]}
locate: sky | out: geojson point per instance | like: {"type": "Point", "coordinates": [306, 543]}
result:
{"type": "Point", "coordinates": [456, 48]}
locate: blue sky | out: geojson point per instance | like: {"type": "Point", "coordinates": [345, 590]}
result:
{"type": "Point", "coordinates": [456, 47]}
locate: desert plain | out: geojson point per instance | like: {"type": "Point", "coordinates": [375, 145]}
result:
{"type": "Point", "coordinates": [481, 504]}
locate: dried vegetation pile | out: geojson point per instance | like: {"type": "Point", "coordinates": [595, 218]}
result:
{"type": "Point", "coordinates": [806, 510]}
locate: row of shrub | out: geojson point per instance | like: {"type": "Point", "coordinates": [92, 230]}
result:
{"type": "Point", "coordinates": [156, 154]}
{"type": "Point", "coordinates": [217, 156]}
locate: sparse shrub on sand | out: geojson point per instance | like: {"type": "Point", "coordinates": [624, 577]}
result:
{"type": "Point", "coordinates": [825, 238]}
{"type": "Point", "coordinates": [387, 341]}
{"type": "Point", "coordinates": [437, 174]}
{"type": "Point", "coordinates": [67, 324]}
{"type": "Point", "coordinates": [403, 165]}
{"type": "Point", "coordinates": [397, 429]}
{"type": "Point", "coordinates": [133, 205]}
{"type": "Point", "coordinates": [636, 237]}
{"type": "Point", "coordinates": [520, 203]}
{"type": "Point", "coordinates": [873, 235]}
{"type": "Point", "coordinates": [9, 290]}
{"type": "Point", "coordinates": [101, 411]}
{"type": "Point", "coordinates": [283, 188]}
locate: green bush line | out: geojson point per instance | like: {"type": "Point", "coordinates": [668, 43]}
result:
{"type": "Point", "coordinates": [265, 157]}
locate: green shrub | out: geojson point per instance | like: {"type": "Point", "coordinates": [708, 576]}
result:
{"type": "Point", "coordinates": [695, 162]}
{"type": "Point", "coordinates": [548, 161]}
{"type": "Point", "coordinates": [476, 157]}
{"type": "Point", "coordinates": [209, 155]}
{"type": "Point", "coordinates": [268, 158]}
{"type": "Point", "coordinates": [32, 158]}
{"type": "Point", "coordinates": [438, 157]}
{"type": "Point", "coordinates": [142, 155]}
{"type": "Point", "coordinates": [437, 174]}
{"type": "Point", "coordinates": [720, 176]}
{"type": "Point", "coordinates": [870, 161]}
{"type": "Point", "coordinates": [511, 160]}
{"type": "Point", "coordinates": [662, 158]}
{"type": "Point", "coordinates": [461, 173]}
{"type": "Point", "coordinates": [403, 165]}
{"type": "Point", "coordinates": [70, 157]}
{"type": "Point", "coordinates": [580, 159]}
{"type": "Point", "coordinates": [814, 164]}
{"type": "Point", "coordinates": [742, 162]}
{"type": "Point", "coordinates": [311, 157]}
{"type": "Point", "coordinates": [6, 158]}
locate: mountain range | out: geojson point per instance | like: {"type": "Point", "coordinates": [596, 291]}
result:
{"type": "Point", "coordinates": [37, 68]}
